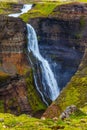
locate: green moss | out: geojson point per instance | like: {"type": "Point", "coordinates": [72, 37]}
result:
{"type": "Point", "coordinates": [1, 106]}
{"type": "Point", "coordinates": [39, 10]}
{"type": "Point", "coordinates": [3, 77]}
{"type": "Point", "coordinates": [84, 108]}
{"type": "Point", "coordinates": [4, 7]}
{"type": "Point", "coordinates": [13, 106]}
{"type": "Point", "coordinates": [74, 93]}
{"type": "Point", "coordinates": [78, 35]}
{"type": "Point", "coordinates": [33, 97]}
{"type": "Point", "coordinates": [82, 22]}
{"type": "Point", "coordinates": [24, 122]}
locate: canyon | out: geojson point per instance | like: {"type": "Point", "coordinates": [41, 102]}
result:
{"type": "Point", "coordinates": [64, 46]}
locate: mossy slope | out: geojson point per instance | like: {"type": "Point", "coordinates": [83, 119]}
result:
{"type": "Point", "coordinates": [74, 93]}
{"type": "Point", "coordinates": [39, 10]}
{"type": "Point", "coordinates": [76, 90]}
{"type": "Point", "coordinates": [24, 122]}
{"type": "Point", "coordinates": [34, 99]}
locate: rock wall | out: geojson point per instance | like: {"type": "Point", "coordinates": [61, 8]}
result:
{"type": "Point", "coordinates": [12, 44]}
{"type": "Point", "coordinates": [17, 90]}
{"type": "Point", "coordinates": [62, 39]}
{"type": "Point", "coordinates": [75, 91]}
{"type": "Point", "coordinates": [14, 97]}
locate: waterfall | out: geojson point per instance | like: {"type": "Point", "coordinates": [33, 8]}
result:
{"type": "Point", "coordinates": [25, 9]}
{"type": "Point", "coordinates": [47, 79]}
{"type": "Point", "coordinates": [49, 83]}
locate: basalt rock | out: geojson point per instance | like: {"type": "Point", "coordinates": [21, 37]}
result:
{"type": "Point", "coordinates": [75, 91]}
{"type": "Point", "coordinates": [62, 39]}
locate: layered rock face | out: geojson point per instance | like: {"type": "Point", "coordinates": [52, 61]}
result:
{"type": "Point", "coordinates": [13, 97]}
{"type": "Point", "coordinates": [62, 38]}
{"type": "Point", "coordinates": [12, 62]}
{"type": "Point", "coordinates": [12, 44]}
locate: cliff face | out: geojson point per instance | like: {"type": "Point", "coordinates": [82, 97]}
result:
{"type": "Point", "coordinates": [12, 61]}
{"type": "Point", "coordinates": [62, 38]}
{"type": "Point", "coordinates": [16, 95]}
{"type": "Point", "coordinates": [76, 90]}
{"type": "Point", "coordinates": [12, 44]}
{"type": "Point", "coordinates": [62, 41]}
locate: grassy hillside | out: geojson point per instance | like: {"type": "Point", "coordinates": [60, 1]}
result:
{"type": "Point", "coordinates": [43, 9]}
{"type": "Point", "coordinates": [24, 122]}
{"type": "Point", "coordinates": [4, 7]}
{"type": "Point", "coordinates": [39, 10]}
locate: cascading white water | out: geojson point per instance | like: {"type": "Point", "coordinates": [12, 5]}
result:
{"type": "Point", "coordinates": [49, 83]}
{"type": "Point", "coordinates": [25, 9]}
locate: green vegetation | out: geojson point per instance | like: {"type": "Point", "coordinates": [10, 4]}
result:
{"type": "Point", "coordinates": [82, 22]}
{"type": "Point", "coordinates": [76, 90]}
{"type": "Point", "coordinates": [44, 9]}
{"type": "Point", "coordinates": [24, 122]}
{"type": "Point", "coordinates": [1, 106]}
{"type": "Point", "coordinates": [4, 7]}
{"type": "Point", "coordinates": [74, 93]}
{"type": "Point", "coordinates": [3, 77]}
{"type": "Point", "coordinates": [78, 35]}
{"type": "Point", "coordinates": [9, 0]}
{"type": "Point", "coordinates": [82, 0]}
{"type": "Point", "coordinates": [33, 97]}
{"type": "Point", "coordinates": [39, 10]}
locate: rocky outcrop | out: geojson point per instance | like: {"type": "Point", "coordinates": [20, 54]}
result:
{"type": "Point", "coordinates": [71, 110]}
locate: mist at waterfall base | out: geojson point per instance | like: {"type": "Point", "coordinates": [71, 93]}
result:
{"type": "Point", "coordinates": [47, 85]}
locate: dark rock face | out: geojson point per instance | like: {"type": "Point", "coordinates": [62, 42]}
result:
{"type": "Point", "coordinates": [75, 91]}
{"type": "Point", "coordinates": [61, 43]}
